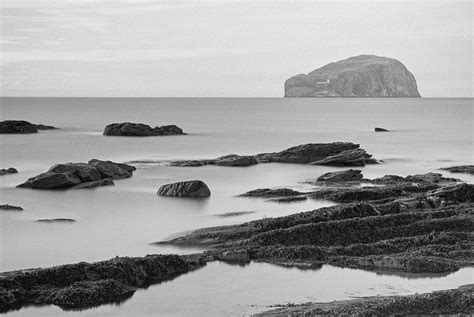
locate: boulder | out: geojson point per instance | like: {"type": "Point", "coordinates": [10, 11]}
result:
{"type": "Point", "coordinates": [194, 188]}
{"type": "Point", "coordinates": [86, 172]}
{"type": "Point", "coordinates": [358, 76]}
{"type": "Point", "coordinates": [341, 176]}
{"type": "Point", "coordinates": [17, 127]}
{"type": "Point", "coordinates": [52, 181]}
{"type": "Point", "coordinates": [109, 169]}
{"type": "Point", "coordinates": [235, 160]}
{"type": "Point", "coordinates": [6, 171]}
{"type": "Point", "coordinates": [140, 129]}
{"type": "Point", "coordinates": [380, 130]}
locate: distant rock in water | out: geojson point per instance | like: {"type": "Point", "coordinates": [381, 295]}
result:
{"type": "Point", "coordinates": [358, 76]}
{"type": "Point", "coordinates": [140, 129]}
{"type": "Point", "coordinates": [65, 220]}
{"type": "Point", "coordinates": [195, 188]}
{"type": "Point", "coordinates": [5, 171]}
{"type": "Point", "coordinates": [21, 127]}
{"type": "Point", "coordinates": [380, 130]}
{"type": "Point", "coordinates": [467, 169]}
{"type": "Point", "coordinates": [10, 208]}
{"type": "Point", "coordinates": [80, 175]}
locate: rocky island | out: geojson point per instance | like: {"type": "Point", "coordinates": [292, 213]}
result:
{"type": "Point", "coordinates": [358, 76]}
{"type": "Point", "coordinates": [22, 127]}
{"type": "Point", "coordinates": [140, 129]}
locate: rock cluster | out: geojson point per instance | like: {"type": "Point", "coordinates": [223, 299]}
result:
{"type": "Point", "coordinates": [21, 127]}
{"type": "Point", "coordinates": [140, 129]}
{"type": "Point", "coordinates": [5, 171]}
{"type": "Point", "coordinates": [194, 188]}
{"type": "Point", "coordinates": [336, 153]}
{"type": "Point", "coordinates": [80, 175]}
{"type": "Point", "coordinates": [358, 76]}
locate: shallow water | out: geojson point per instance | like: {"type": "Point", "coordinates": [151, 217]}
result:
{"type": "Point", "coordinates": [124, 219]}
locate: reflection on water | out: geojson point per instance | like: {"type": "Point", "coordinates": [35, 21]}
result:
{"type": "Point", "coordinates": [220, 289]}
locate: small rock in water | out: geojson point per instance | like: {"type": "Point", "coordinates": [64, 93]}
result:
{"type": "Point", "coordinates": [235, 214]}
{"type": "Point", "coordinates": [341, 176]}
{"type": "Point", "coordinates": [380, 130]}
{"type": "Point", "coordinates": [5, 171]}
{"type": "Point", "coordinates": [56, 220]}
{"type": "Point", "coordinates": [194, 188]}
{"type": "Point", "coordinates": [10, 207]}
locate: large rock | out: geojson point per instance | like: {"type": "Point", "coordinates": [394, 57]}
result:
{"type": "Point", "coordinates": [358, 76]}
{"type": "Point", "coordinates": [140, 129]}
{"type": "Point", "coordinates": [80, 175]}
{"type": "Point", "coordinates": [194, 188]}
{"type": "Point", "coordinates": [341, 176]}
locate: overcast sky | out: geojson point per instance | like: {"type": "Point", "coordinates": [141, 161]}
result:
{"type": "Point", "coordinates": [223, 49]}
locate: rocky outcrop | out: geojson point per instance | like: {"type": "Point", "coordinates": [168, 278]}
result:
{"type": "Point", "coordinates": [194, 188]}
{"type": "Point", "coordinates": [446, 302]}
{"type": "Point", "coordinates": [358, 76]}
{"type": "Point", "coordinates": [10, 208]}
{"type": "Point", "coordinates": [140, 129]}
{"type": "Point", "coordinates": [380, 130]}
{"type": "Point", "coordinates": [84, 284]}
{"type": "Point", "coordinates": [80, 175]}
{"type": "Point", "coordinates": [21, 127]}
{"type": "Point", "coordinates": [341, 176]}
{"type": "Point", "coordinates": [5, 171]}
{"type": "Point", "coordinates": [466, 169]}
{"type": "Point", "coordinates": [336, 153]}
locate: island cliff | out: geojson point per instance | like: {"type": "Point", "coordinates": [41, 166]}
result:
{"type": "Point", "coordinates": [358, 76]}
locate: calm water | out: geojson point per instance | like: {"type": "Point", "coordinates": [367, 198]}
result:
{"type": "Point", "coordinates": [122, 220]}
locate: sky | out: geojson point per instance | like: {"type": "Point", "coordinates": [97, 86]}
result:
{"type": "Point", "coordinates": [223, 48]}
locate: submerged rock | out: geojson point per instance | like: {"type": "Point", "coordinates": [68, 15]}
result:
{"type": "Point", "coordinates": [467, 169]}
{"type": "Point", "coordinates": [5, 171]}
{"type": "Point", "coordinates": [194, 188]}
{"type": "Point", "coordinates": [341, 176]}
{"type": "Point", "coordinates": [140, 129]}
{"type": "Point", "coordinates": [80, 175]}
{"type": "Point", "coordinates": [56, 220]}
{"type": "Point", "coordinates": [358, 76]}
{"type": "Point", "coordinates": [10, 207]}
{"type": "Point", "coordinates": [234, 214]}
{"type": "Point", "coordinates": [22, 127]}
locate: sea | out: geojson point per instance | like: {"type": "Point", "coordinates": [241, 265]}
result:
{"type": "Point", "coordinates": [425, 135]}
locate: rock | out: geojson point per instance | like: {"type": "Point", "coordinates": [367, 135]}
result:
{"type": "Point", "coordinates": [467, 169]}
{"type": "Point", "coordinates": [288, 199]}
{"type": "Point", "coordinates": [269, 192]}
{"type": "Point", "coordinates": [194, 188]}
{"type": "Point", "coordinates": [341, 176]}
{"type": "Point", "coordinates": [45, 127]}
{"type": "Point", "coordinates": [17, 127]}
{"type": "Point", "coordinates": [93, 184]}
{"type": "Point", "coordinates": [234, 214]}
{"type": "Point", "coordinates": [358, 76]}
{"type": "Point", "coordinates": [301, 154]}
{"type": "Point", "coordinates": [235, 160]}
{"type": "Point", "coordinates": [380, 130]}
{"type": "Point", "coordinates": [140, 129]}
{"type": "Point", "coordinates": [356, 157]}
{"type": "Point", "coordinates": [109, 169]}
{"type": "Point", "coordinates": [10, 170]}
{"type": "Point", "coordinates": [80, 175]}
{"type": "Point", "coordinates": [234, 256]}
{"type": "Point", "coordinates": [432, 178]}
{"type": "Point", "coordinates": [56, 220]}
{"type": "Point", "coordinates": [84, 284]}
{"type": "Point", "coordinates": [10, 208]}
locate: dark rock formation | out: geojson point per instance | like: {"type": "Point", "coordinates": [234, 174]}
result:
{"type": "Point", "coordinates": [467, 169]}
{"type": "Point", "coordinates": [10, 208]}
{"type": "Point", "coordinates": [271, 192]}
{"type": "Point", "coordinates": [446, 302]}
{"type": "Point", "coordinates": [423, 228]}
{"type": "Point", "coordinates": [21, 127]}
{"type": "Point", "coordinates": [341, 176]}
{"type": "Point", "coordinates": [336, 153]}
{"type": "Point", "coordinates": [6, 171]}
{"type": "Point", "coordinates": [380, 130]}
{"type": "Point", "coordinates": [80, 175]}
{"type": "Point", "coordinates": [140, 129]}
{"type": "Point", "coordinates": [90, 284]}
{"type": "Point", "coordinates": [194, 188]}
{"type": "Point", "coordinates": [358, 76]}
{"type": "Point", "coordinates": [64, 220]}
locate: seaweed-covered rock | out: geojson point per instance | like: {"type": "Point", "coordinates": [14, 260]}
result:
{"type": "Point", "coordinates": [194, 188]}
{"type": "Point", "coordinates": [140, 129]}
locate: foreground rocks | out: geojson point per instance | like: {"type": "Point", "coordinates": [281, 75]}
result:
{"type": "Point", "coordinates": [194, 188]}
{"type": "Point", "coordinates": [424, 227]}
{"type": "Point", "coordinates": [466, 169]}
{"type": "Point", "coordinates": [5, 171]}
{"type": "Point", "coordinates": [22, 127]}
{"type": "Point", "coordinates": [83, 284]}
{"type": "Point", "coordinates": [80, 175]}
{"type": "Point", "coordinates": [140, 129]}
{"type": "Point", "coordinates": [357, 76]}
{"type": "Point", "coordinates": [336, 153]}
{"type": "Point", "coordinates": [446, 302]}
